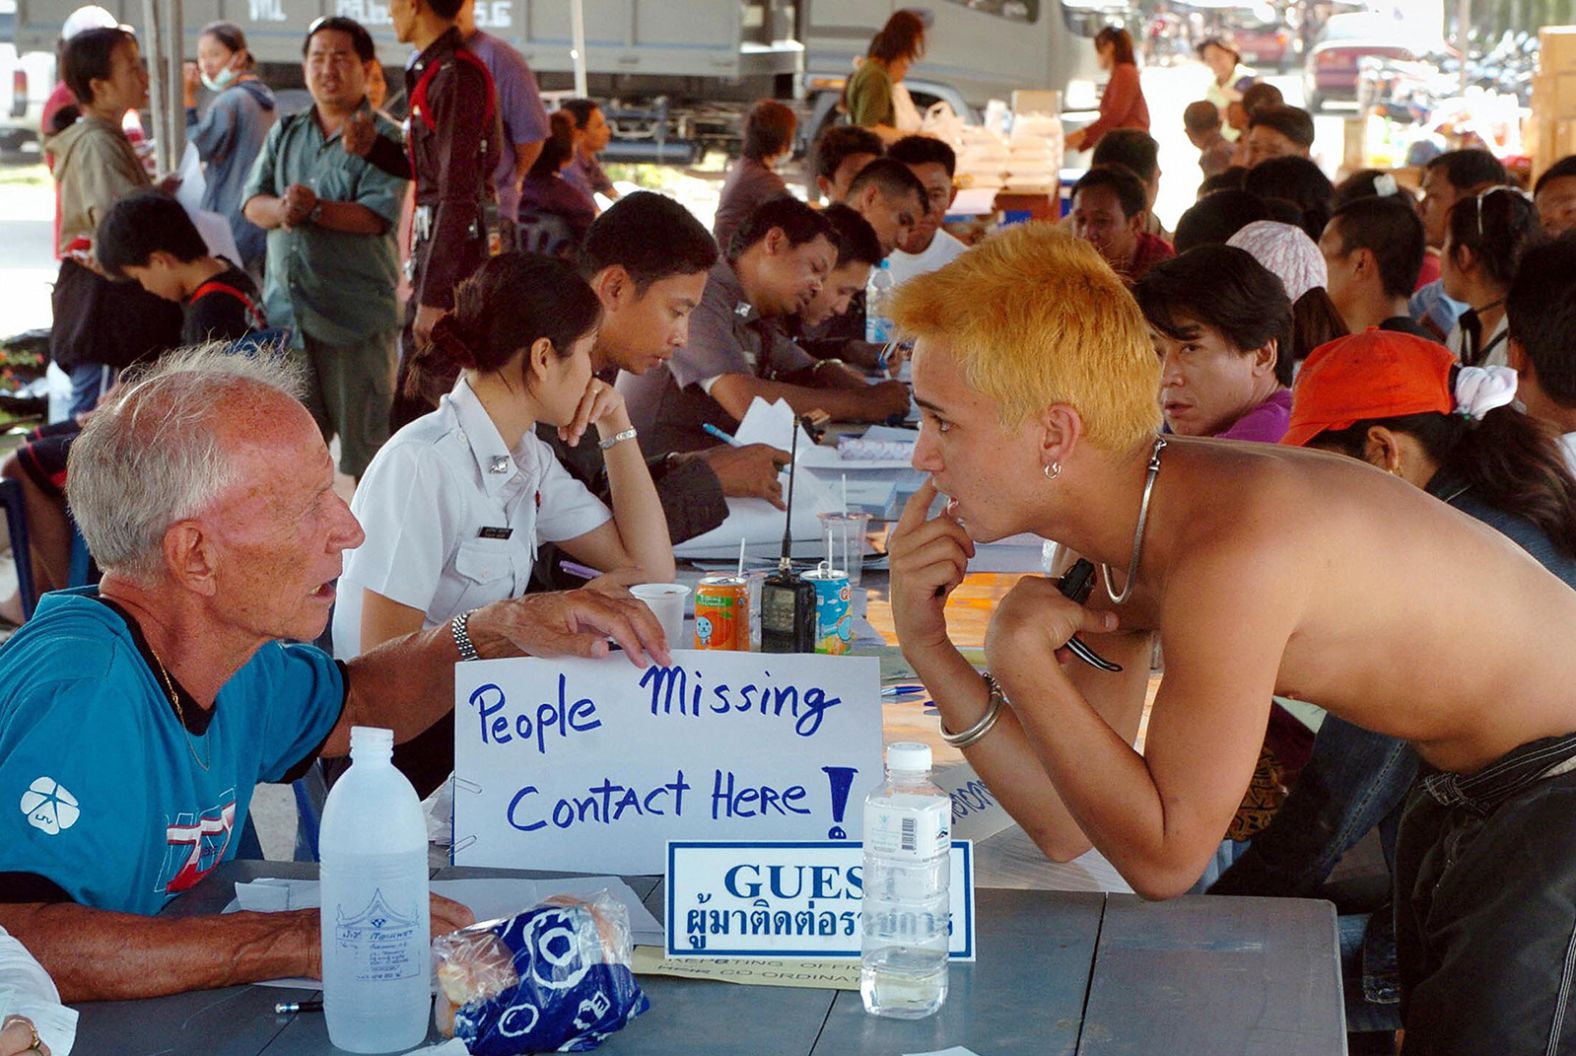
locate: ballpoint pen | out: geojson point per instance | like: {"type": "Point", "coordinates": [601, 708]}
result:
{"type": "Point", "coordinates": [712, 430]}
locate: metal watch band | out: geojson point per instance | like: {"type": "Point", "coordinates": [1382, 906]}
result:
{"type": "Point", "coordinates": [459, 627]}
{"type": "Point", "coordinates": [617, 438]}
{"type": "Point", "coordinates": [986, 721]}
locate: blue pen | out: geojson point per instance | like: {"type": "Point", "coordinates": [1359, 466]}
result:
{"type": "Point", "coordinates": [581, 571]}
{"type": "Point", "coordinates": [720, 435]}
{"type": "Point", "coordinates": [902, 691]}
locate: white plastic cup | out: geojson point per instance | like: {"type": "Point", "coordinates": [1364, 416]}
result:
{"type": "Point", "coordinates": [666, 600]}
{"type": "Point", "coordinates": [846, 537]}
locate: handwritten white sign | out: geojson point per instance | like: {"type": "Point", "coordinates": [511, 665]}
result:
{"type": "Point", "coordinates": [593, 765]}
{"type": "Point", "coordinates": [783, 899]}
{"type": "Point", "coordinates": [975, 813]}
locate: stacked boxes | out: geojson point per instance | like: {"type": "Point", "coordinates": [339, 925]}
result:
{"type": "Point", "coordinates": [1554, 97]}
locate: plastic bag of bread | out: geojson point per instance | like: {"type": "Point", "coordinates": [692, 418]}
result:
{"type": "Point", "coordinates": [554, 978]}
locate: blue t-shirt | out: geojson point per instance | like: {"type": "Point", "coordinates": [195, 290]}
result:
{"type": "Point", "coordinates": [103, 790]}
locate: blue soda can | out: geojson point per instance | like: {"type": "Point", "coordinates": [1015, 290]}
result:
{"type": "Point", "coordinates": [834, 623]}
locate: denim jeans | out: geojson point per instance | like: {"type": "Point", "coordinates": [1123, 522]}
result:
{"type": "Point", "coordinates": [1355, 780]}
{"type": "Point", "coordinates": [89, 381]}
{"type": "Point", "coordinates": [1486, 907]}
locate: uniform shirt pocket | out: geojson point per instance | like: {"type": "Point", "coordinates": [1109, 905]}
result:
{"type": "Point", "coordinates": [483, 574]}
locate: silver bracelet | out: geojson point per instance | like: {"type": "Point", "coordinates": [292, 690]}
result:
{"type": "Point", "coordinates": [986, 721]}
{"type": "Point", "coordinates": [459, 627]}
{"type": "Point", "coordinates": [617, 438]}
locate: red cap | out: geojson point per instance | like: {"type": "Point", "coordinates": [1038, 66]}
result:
{"type": "Point", "coordinates": [1374, 374]}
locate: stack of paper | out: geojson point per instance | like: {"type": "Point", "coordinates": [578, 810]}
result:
{"type": "Point", "coordinates": [756, 520]}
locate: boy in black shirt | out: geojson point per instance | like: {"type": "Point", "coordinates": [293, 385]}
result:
{"type": "Point", "coordinates": [149, 239]}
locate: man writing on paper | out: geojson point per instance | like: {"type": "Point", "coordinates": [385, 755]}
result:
{"type": "Point", "coordinates": [738, 350]}
{"type": "Point", "coordinates": [647, 259]}
{"type": "Point", "coordinates": [136, 717]}
{"type": "Point", "coordinates": [1263, 570]}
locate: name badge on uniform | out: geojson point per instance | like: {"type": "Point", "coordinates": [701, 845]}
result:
{"type": "Point", "coordinates": [496, 533]}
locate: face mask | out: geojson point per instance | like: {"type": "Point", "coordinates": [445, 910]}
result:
{"type": "Point", "coordinates": [219, 83]}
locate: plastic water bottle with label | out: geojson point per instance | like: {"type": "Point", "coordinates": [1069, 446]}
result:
{"type": "Point", "coordinates": [377, 960]}
{"type": "Point", "coordinates": [908, 849]}
{"type": "Point", "coordinates": [878, 304]}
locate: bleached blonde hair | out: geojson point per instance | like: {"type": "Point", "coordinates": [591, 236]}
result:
{"type": "Point", "coordinates": [1036, 317]}
{"type": "Point", "coordinates": [152, 456]}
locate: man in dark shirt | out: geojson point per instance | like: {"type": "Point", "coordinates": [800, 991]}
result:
{"type": "Point", "coordinates": [592, 135]}
{"type": "Point", "coordinates": [1373, 250]}
{"type": "Point", "coordinates": [840, 153]}
{"type": "Point", "coordinates": [149, 239]}
{"type": "Point", "coordinates": [455, 144]}
{"type": "Point", "coordinates": [738, 348]}
{"type": "Point", "coordinates": [892, 200]}
{"type": "Point", "coordinates": [648, 258]}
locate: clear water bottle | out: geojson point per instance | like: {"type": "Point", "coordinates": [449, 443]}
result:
{"type": "Point", "coordinates": [878, 304]}
{"type": "Point", "coordinates": [908, 851]}
{"type": "Point", "coordinates": [377, 964]}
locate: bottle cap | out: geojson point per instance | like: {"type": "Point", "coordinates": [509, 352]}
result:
{"type": "Point", "coordinates": [371, 740]}
{"type": "Point", "coordinates": [909, 756]}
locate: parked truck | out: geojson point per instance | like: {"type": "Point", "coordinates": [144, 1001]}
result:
{"type": "Point", "coordinates": [676, 75]}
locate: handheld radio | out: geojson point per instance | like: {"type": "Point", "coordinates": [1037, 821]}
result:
{"type": "Point", "coordinates": [788, 613]}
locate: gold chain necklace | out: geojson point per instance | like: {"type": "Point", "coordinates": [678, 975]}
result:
{"type": "Point", "coordinates": [180, 711]}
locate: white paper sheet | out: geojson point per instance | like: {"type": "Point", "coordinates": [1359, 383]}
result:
{"type": "Point", "coordinates": [756, 520]}
{"type": "Point", "coordinates": [488, 898]}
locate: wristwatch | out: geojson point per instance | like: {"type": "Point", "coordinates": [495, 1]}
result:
{"type": "Point", "coordinates": [460, 629]}
{"type": "Point", "coordinates": [316, 215]}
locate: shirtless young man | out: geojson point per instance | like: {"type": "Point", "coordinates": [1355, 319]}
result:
{"type": "Point", "coordinates": [1263, 570]}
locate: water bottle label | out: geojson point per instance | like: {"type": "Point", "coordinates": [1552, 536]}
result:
{"type": "Point", "coordinates": [917, 831]}
{"type": "Point", "coordinates": [377, 940]}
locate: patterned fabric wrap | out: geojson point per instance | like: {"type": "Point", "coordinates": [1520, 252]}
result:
{"type": "Point", "coordinates": [554, 978]}
{"type": "Point", "coordinates": [1286, 251]}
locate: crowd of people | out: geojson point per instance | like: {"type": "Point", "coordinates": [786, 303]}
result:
{"type": "Point", "coordinates": [550, 384]}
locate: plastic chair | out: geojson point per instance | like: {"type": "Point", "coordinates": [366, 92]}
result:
{"type": "Point", "coordinates": [546, 233]}
{"type": "Point", "coordinates": [16, 522]}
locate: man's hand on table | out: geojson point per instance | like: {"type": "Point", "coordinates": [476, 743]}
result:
{"type": "Point", "coordinates": [446, 915]}
{"type": "Point", "coordinates": [749, 471]}
{"type": "Point", "coordinates": [886, 399]}
{"type": "Point", "coordinates": [17, 1038]}
{"type": "Point", "coordinates": [570, 623]}
{"type": "Point", "coordinates": [929, 559]}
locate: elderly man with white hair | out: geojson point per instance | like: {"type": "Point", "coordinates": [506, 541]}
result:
{"type": "Point", "coordinates": [135, 718]}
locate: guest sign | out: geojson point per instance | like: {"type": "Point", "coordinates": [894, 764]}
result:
{"type": "Point", "coordinates": [593, 765]}
{"type": "Point", "coordinates": [764, 899]}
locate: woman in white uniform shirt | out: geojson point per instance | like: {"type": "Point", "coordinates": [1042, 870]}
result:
{"type": "Point", "coordinates": [456, 503]}
{"type": "Point", "coordinates": [1484, 238]}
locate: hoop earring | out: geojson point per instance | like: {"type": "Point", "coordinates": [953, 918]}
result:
{"type": "Point", "coordinates": [1052, 471]}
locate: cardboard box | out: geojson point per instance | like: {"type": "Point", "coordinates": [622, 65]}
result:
{"type": "Point", "coordinates": [1554, 95]}
{"type": "Point", "coordinates": [1557, 49]}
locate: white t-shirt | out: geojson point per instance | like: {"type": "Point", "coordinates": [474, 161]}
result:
{"type": "Point", "coordinates": [943, 249]}
{"type": "Point", "coordinates": [1568, 442]}
{"type": "Point", "coordinates": [453, 517]}
{"type": "Point", "coordinates": [1497, 356]}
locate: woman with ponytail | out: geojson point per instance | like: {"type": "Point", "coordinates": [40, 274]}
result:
{"type": "Point", "coordinates": [1484, 238]}
{"type": "Point", "coordinates": [456, 503]}
{"type": "Point", "coordinates": [1404, 405]}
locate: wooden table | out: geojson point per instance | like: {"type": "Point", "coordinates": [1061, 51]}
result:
{"type": "Point", "coordinates": [1058, 973]}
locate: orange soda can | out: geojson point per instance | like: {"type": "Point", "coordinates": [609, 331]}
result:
{"type": "Point", "coordinates": [722, 613]}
